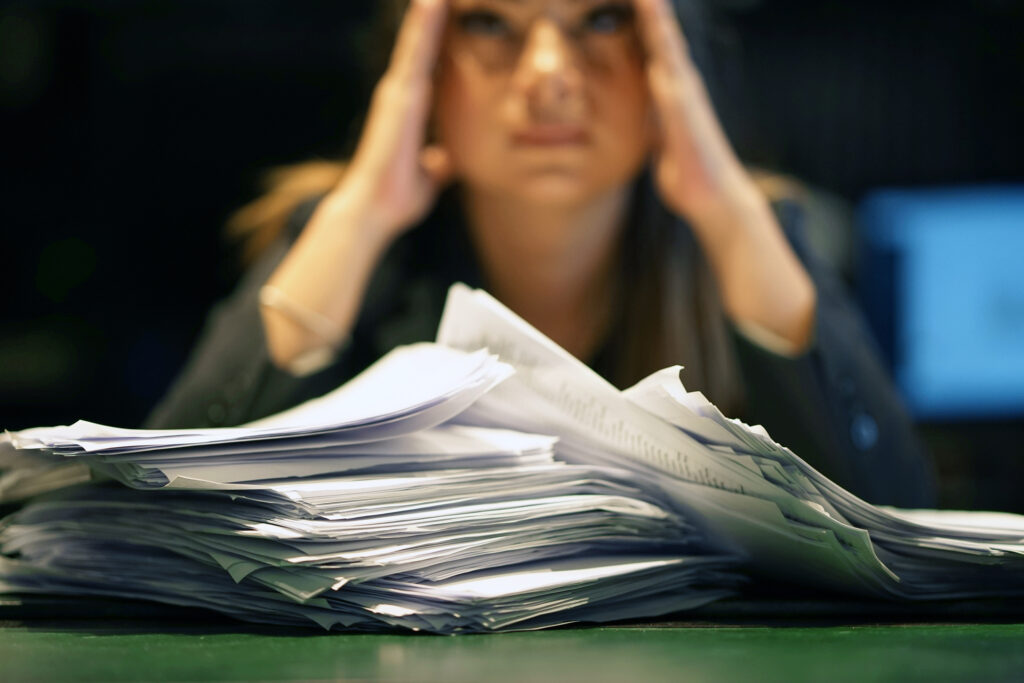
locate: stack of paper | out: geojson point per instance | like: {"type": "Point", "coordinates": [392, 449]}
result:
{"type": "Point", "coordinates": [424, 495]}
{"type": "Point", "coordinates": [359, 510]}
{"type": "Point", "coordinates": [747, 491]}
{"type": "Point", "coordinates": [27, 474]}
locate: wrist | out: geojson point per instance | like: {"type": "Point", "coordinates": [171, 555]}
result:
{"type": "Point", "coordinates": [731, 214]}
{"type": "Point", "coordinates": [346, 217]}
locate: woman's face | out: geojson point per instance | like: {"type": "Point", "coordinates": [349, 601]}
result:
{"type": "Point", "coordinates": [544, 100]}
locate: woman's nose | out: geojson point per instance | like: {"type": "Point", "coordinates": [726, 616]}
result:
{"type": "Point", "coordinates": [548, 72]}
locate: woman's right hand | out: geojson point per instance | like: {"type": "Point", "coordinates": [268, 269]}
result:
{"type": "Point", "coordinates": [394, 177]}
{"type": "Point", "coordinates": [311, 300]}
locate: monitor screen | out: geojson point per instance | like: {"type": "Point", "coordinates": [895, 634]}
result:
{"type": "Point", "coordinates": [942, 281]}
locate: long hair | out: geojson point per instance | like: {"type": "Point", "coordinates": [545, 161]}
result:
{"type": "Point", "coordinates": [673, 314]}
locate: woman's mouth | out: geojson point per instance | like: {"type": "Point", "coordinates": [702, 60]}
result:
{"type": "Point", "coordinates": [551, 136]}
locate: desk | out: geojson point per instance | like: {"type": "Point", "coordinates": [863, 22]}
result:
{"type": "Point", "coordinates": [105, 650]}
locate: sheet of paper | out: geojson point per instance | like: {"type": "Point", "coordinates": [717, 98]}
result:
{"type": "Point", "coordinates": [436, 384]}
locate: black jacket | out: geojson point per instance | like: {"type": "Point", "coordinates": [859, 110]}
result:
{"type": "Point", "coordinates": [834, 405]}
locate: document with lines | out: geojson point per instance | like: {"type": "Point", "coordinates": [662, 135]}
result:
{"type": "Point", "coordinates": [365, 509]}
{"type": "Point", "coordinates": [753, 495]}
{"type": "Point", "coordinates": [487, 481]}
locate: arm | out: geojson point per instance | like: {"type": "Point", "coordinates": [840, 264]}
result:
{"type": "Point", "coordinates": [829, 399]}
{"type": "Point", "coordinates": [314, 295]}
{"type": "Point", "coordinates": [700, 178]}
{"type": "Point", "coordinates": [302, 300]}
{"type": "Point", "coordinates": [834, 404]}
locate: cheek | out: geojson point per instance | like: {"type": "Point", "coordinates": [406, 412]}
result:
{"type": "Point", "coordinates": [618, 72]}
{"type": "Point", "coordinates": [463, 113]}
{"type": "Point", "coordinates": [633, 97]}
{"type": "Point", "coordinates": [626, 106]}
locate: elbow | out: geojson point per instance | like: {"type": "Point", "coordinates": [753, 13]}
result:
{"type": "Point", "coordinates": [292, 348]}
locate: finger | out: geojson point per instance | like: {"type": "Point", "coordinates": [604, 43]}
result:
{"type": "Point", "coordinates": [401, 100]}
{"type": "Point", "coordinates": [419, 41]}
{"type": "Point", "coordinates": [662, 37]}
{"type": "Point", "coordinates": [664, 47]}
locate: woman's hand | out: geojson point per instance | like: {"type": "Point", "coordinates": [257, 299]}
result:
{"type": "Point", "coordinates": [394, 177]}
{"type": "Point", "coordinates": [695, 167]}
{"type": "Point", "coordinates": [311, 301]}
{"type": "Point", "coordinates": [699, 177]}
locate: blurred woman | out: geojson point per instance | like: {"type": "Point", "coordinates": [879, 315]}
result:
{"type": "Point", "coordinates": [564, 155]}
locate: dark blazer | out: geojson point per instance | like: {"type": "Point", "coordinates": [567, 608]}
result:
{"type": "Point", "coordinates": [834, 405]}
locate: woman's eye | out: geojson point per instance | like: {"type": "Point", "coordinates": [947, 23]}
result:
{"type": "Point", "coordinates": [608, 18]}
{"type": "Point", "coordinates": [483, 23]}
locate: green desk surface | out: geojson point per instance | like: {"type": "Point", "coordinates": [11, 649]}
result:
{"type": "Point", "coordinates": [106, 650]}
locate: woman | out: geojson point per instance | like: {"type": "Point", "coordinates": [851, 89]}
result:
{"type": "Point", "coordinates": [563, 154]}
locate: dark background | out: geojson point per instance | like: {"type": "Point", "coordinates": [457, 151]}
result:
{"type": "Point", "coordinates": [132, 128]}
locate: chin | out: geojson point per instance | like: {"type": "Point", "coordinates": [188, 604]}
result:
{"type": "Point", "coordinates": [555, 183]}
{"type": "Point", "coordinates": [555, 190]}
{"type": "Point", "coordinates": [555, 186]}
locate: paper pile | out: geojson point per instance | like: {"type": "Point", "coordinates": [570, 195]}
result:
{"type": "Point", "coordinates": [424, 495]}
{"type": "Point", "coordinates": [360, 510]}
{"type": "Point", "coordinates": [745, 490]}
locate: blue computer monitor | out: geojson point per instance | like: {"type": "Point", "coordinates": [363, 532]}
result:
{"type": "Point", "coordinates": [942, 281]}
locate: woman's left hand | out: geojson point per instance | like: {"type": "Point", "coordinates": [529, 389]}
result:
{"type": "Point", "coordinates": [764, 286]}
{"type": "Point", "coordinates": [696, 170]}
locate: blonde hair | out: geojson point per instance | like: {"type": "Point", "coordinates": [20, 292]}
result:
{"type": "Point", "coordinates": [260, 222]}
